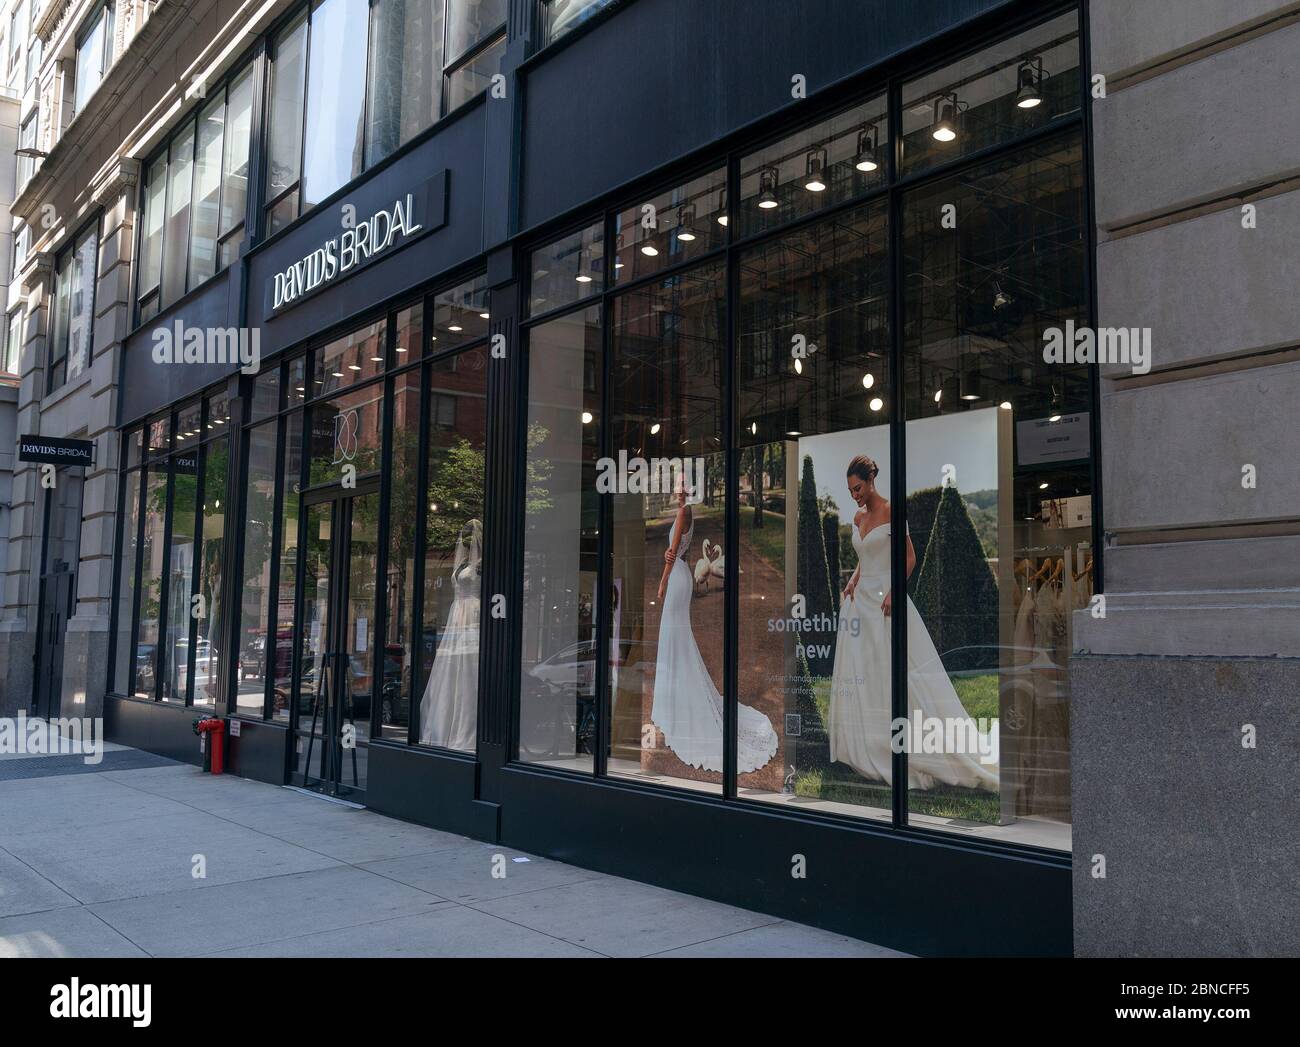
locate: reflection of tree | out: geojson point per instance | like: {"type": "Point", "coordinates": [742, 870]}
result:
{"type": "Point", "coordinates": [537, 497]}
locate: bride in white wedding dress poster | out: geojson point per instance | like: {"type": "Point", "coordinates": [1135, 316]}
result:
{"type": "Point", "coordinates": [687, 706]}
{"type": "Point", "coordinates": [860, 710]}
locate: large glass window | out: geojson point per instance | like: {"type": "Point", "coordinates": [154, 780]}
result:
{"type": "Point", "coordinates": [74, 298]}
{"type": "Point", "coordinates": [405, 85]}
{"type": "Point", "coordinates": [456, 438]}
{"type": "Point", "coordinates": [124, 662]}
{"type": "Point", "coordinates": [336, 98]}
{"type": "Point", "coordinates": [284, 136]}
{"type": "Point", "coordinates": [257, 646]}
{"type": "Point", "coordinates": [664, 476]}
{"type": "Point", "coordinates": [561, 512]}
{"type": "Point", "coordinates": [209, 666]}
{"type": "Point", "coordinates": [281, 668]}
{"type": "Point", "coordinates": [27, 140]}
{"type": "Point", "coordinates": [14, 342]}
{"type": "Point", "coordinates": [194, 199]}
{"type": "Point", "coordinates": [629, 490]}
{"type": "Point", "coordinates": [94, 54]}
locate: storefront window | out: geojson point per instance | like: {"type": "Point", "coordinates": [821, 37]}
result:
{"type": "Point", "coordinates": [123, 661]}
{"type": "Point", "coordinates": [999, 488]}
{"type": "Point", "coordinates": [993, 96]}
{"type": "Point", "coordinates": [832, 161]}
{"type": "Point", "coordinates": [256, 643]}
{"type": "Point", "coordinates": [209, 665]}
{"type": "Point", "coordinates": [400, 651]}
{"type": "Point", "coordinates": [280, 655]}
{"type": "Point", "coordinates": [460, 316]}
{"type": "Point", "coordinates": [456, 436]}
{"type": "Point", "coordinates": [557, 717]}
{"type": "Point", "coordinates": [568, 270]}
{"type": "Point", "coordinates": [148, 660]}
{"type": "Point", "coordinates": [664, 479]}
{"type": "Point", "coordinates": [812, 387]}
{"type": "Point", "coordinates": [353, 358]}
{"type": "Point", "coordinates": [670, 228]}
{"type": "Point", "coordinates": [347, 436]}
{"type": "Point", "coordinates": [183, 469]}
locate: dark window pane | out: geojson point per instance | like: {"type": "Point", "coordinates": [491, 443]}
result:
{"type": "Point", "coordinates": [460, 315]}
{"type": "Point", "coordinates": [828, 163]}
{"type": "Point", "coordinates": [209, 660]}
{"type": "Point", "coordinates": [255, 597]}
{"type": "Point", "coordinates": [151, 583]}
{"type": "Point", "coordinates": [353, 358]}
{"type": "Point", "coordinates": [670, 228]}
{"type": "Point", "coordinates": [347, 433]}
{"type": "Point", "coordinates": [568, 270]}
{"type": "Point", "coordinates": [469, 21]}
{"type": "Point", "coordinates": [125, 628]}
{"type": "Point", "coordinates": [474, 76]}
{"type": "Point", "coordinates": [234, 172]}
{"type": "Point", "coordinates": [405, 90]}
{"type": "Point", "coordinates": [999, 485]}
{"type": "Point", "coordinates": [288, 74]}
{"type": "Point", "coordinates": [993, 96]}
{"type": "Point", "coordinates": [401, 646]}
{"type": "Point", "coordinates": [281, 669]}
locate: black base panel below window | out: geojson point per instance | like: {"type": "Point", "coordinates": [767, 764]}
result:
{"type": "Point", "coordinates": [918, 896]}
{"type": "Point", "coordinates": [165, 728]}
{"type": "Point", "coordinates": [429, 788]}
{"type": "Point", "coordinates": [261, 752]}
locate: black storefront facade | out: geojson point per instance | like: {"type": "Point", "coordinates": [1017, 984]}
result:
{"type": "Point", "coordinates": [732, 234]}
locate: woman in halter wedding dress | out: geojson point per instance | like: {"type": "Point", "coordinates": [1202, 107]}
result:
{"type": "Point", "coordinates": [449, 708]}
{"type": "Point", "coordinates": [687, 706]}
{"type": "Point", "coordinates": [860, 710]}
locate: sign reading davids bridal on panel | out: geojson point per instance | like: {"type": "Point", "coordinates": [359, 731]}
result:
{"type": "Point", "coordinates": [361, 239]}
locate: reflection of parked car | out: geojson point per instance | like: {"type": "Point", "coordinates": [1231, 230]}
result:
{"type": "Point", "coordinates": [573, 666]}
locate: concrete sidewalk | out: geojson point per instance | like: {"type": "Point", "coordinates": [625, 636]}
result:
{"type": "Point", "coordinates": [100, 863]}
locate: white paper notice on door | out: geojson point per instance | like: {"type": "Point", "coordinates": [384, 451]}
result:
{"type": "Point", "coordinates": [363, 634]}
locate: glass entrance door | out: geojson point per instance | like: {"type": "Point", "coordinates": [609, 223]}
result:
{"type": "Point", "coordinates": [336, 684]}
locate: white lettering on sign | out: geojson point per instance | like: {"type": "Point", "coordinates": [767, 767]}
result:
{"type": "Point", "coordinates": [346, 251]}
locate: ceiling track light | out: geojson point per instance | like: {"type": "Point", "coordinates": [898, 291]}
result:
{"type": "Point", "coordinates": [868, 149]}
{"type": "Point", "coordinates": [946, 109]}
{"type": "Point", "coordinates": [768, 180]}
{"type": "Point", "coordinates": [815, 179]}
{"type": "Point", "coordinates": [1029, 83]}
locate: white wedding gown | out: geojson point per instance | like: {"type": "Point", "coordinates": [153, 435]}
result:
{"type": "Point", "coordinates": [449, 708]}
{"type": "Point", "coordinates": [687, 706]}
{"type": "Point", "coordinates": [860, 712]}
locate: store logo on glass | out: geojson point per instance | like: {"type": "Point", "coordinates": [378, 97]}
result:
{"type": "Point", "coordinates": [633, 475]}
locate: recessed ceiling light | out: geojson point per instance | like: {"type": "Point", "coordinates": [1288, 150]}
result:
{"type": "Point", "coordinates": [586, 417]}
{"type": "Point", "coordinates": [649, 250]}
{"type": "Point", "coordinates": [868, 380]}
{"type": "Point", "coordinates": [876, 403]}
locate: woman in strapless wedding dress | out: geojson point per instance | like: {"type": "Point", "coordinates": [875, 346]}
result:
{"type": "Point", "coordinates": [860, 713]}
{"type": "Point", "coordinates": [687, 706]}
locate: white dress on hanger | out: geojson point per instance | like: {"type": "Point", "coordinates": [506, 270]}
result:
{"type": "Point", "coordinates": [860, 709]}
{"type": "Point", "coordinates": [449, 708]}
{"type": "Point", "coordinates": [687, 706]}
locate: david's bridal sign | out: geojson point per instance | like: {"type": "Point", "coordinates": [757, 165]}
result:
{"type": "Point", "coordinates": [360, 241]}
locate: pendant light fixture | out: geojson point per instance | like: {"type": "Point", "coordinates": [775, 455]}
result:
{"type": "Point", "coordinates": [722, 206]}
{"type": "Point", "coordinates": [768, 180]}
{"type": "Point", "coordinates": [1029, 83]}
{"type": "Point", "coordinates": [815, 180]}
{"type": "Point", "coordinates": [868, 141]}
{"type": "Point", "coordinates": [970, 388]}
{"type": "Point", "coordinates": [945, 118]}
{"type": "Point", "coordinates": [685, 220]}
{"type": "Point", "coordinates": [1000, 298]}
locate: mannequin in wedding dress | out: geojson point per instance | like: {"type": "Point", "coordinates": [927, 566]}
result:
{"type": "Point", "coordinates": [687, 706]}
{"type": "Point", "coordinates": [860, 710]}
{"type": "Point", "coordinates": [449, 708]}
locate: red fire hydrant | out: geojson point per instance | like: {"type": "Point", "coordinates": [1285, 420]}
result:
{"type": "Point", "coordinates": [217, 729]}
